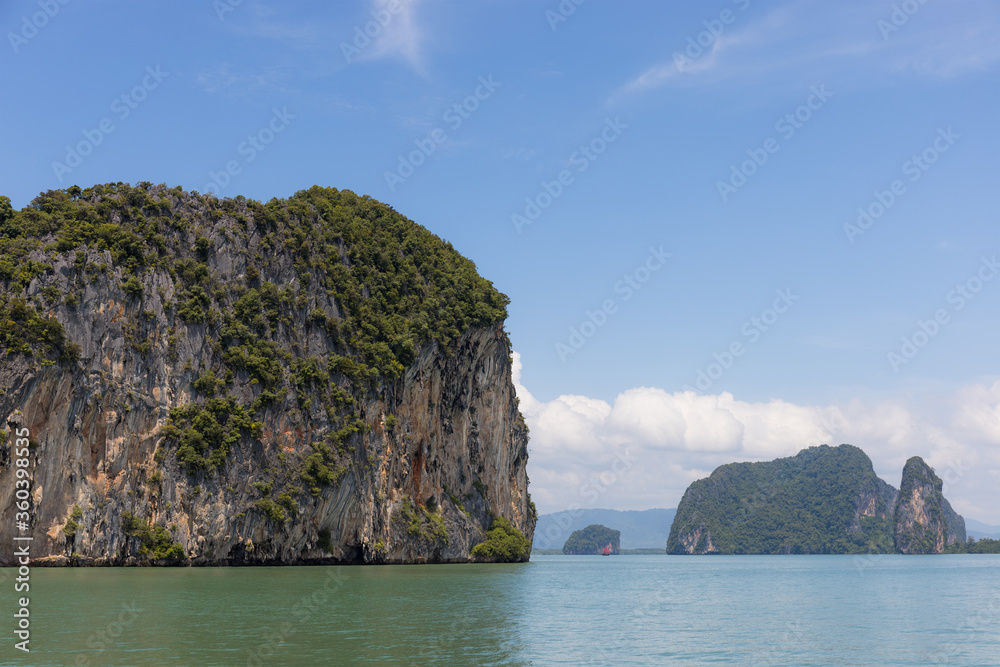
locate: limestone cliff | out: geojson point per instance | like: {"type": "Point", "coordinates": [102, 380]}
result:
{"type": "Point", "coordinates": [925, 522]}
{"type": "Point", "coordinates": [312, 380]}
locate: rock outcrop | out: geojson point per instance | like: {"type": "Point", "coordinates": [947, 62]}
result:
{"type": "Point", "coordinates": [315, 380]}
{"type": "Point", "coordinates": [823, 500]}
{"type": "Point", "coordinates": [925, 523]}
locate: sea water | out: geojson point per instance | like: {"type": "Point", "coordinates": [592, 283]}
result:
{"type": "Point", "coordinates": [555, 610]}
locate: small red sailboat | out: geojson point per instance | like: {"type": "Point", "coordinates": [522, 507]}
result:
{"type": "Point", "coordinates": [606, 551]}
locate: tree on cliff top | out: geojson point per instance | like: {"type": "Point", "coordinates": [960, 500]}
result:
{"type": "Point", "coordinates": [396, 284]}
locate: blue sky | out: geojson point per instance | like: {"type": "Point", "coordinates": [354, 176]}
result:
{"type": "Point", "coordinates": [644, 109]}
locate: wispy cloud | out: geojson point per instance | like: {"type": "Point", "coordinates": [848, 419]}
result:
{"type": "Point", "coordinates": [385, 29]}
{"type": "Point", "coordinates": [658, 75]}
{"type": "Point", "coordinates": [687, 63]}
{"type": "Point", "coordinates": [824, 41]}
{"type": "Point", "coordinates": [402, 36]}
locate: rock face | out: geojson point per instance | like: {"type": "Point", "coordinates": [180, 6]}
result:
{"type": "Point", "coordinates": [593, 540]}
{"type": "Point", "coordinates": [925, 523]}
{"type": "Point", "coordinates": [823, 500]}
{"type": "Point", "coordinates": [234, 390]}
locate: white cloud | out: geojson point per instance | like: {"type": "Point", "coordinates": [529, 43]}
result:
{"type": "Point", "coordinates": [385, 29]}
{"type": "Point", "coordinates": [402, 35]}
{"type": "Point", "coordinates": [977, 415]}
{"type": "Point", "coordinates": [646, 447]}
{"type": "Point", "coordinates": [659, 74]}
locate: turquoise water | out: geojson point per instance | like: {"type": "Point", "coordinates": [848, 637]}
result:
{"type": "Point", "coordinates": [556, 610]}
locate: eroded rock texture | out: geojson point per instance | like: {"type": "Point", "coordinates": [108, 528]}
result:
{"type": "Point", "coordinates": [357, 446]}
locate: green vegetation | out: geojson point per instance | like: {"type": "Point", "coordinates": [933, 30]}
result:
{"type": "Point", "coordinates": [331, 298]}
{"type": "Point", "coordinates": [207, 384]}
{"type": "Point", "coordinates": [72, 522]}
{"type": "Point", "coordinates": [457, 502]}
{"type": "Point", "coordinates": [272, 510]}
{"type": "Point", "coordinates": [984, 545]}
{"type": "Point", "coordinates": [592, 540]}
{"type": "Point", "coordinates": [320, 468]}
{"type": "Point", "coordinates": [204, 434]}
{"type": "Point", "coordinates": [824, 500]}
{"type": "Point", "coordinates": [323, 540]}
{"type": "Point", "coordinates": [132, 287]}
{"type": "Point", "coordinates": [802, 504]}
{"type": "Point", "coordinates": [155, 542]}
{"type": "Point", "coordinates": [399, 285]}
{"type": "Point", "coordinates": [423, 522]}
{"type": "Point", "coordinates": [289, 503]}
{"type": "Point", "coordinates": [24, 331]}
{"type": "Point", "coordinates": [504, 544]}
{"type": "Point", "coordinates": [395, 287]}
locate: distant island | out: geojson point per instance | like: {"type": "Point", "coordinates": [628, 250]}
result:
{"type": "Point", "coordinates": [642, 530]}
{"type": "Point", "coordinates": [824, 500]}
{"type": "Point", "coordinates": [593, 540]}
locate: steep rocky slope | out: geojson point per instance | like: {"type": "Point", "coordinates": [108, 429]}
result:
{"type": "Point", "coordinates": [925, 523]}
{"type": "Point", "coordinates": [823, 500]}
{"type": "Point", "coordinates": [315, 379]}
